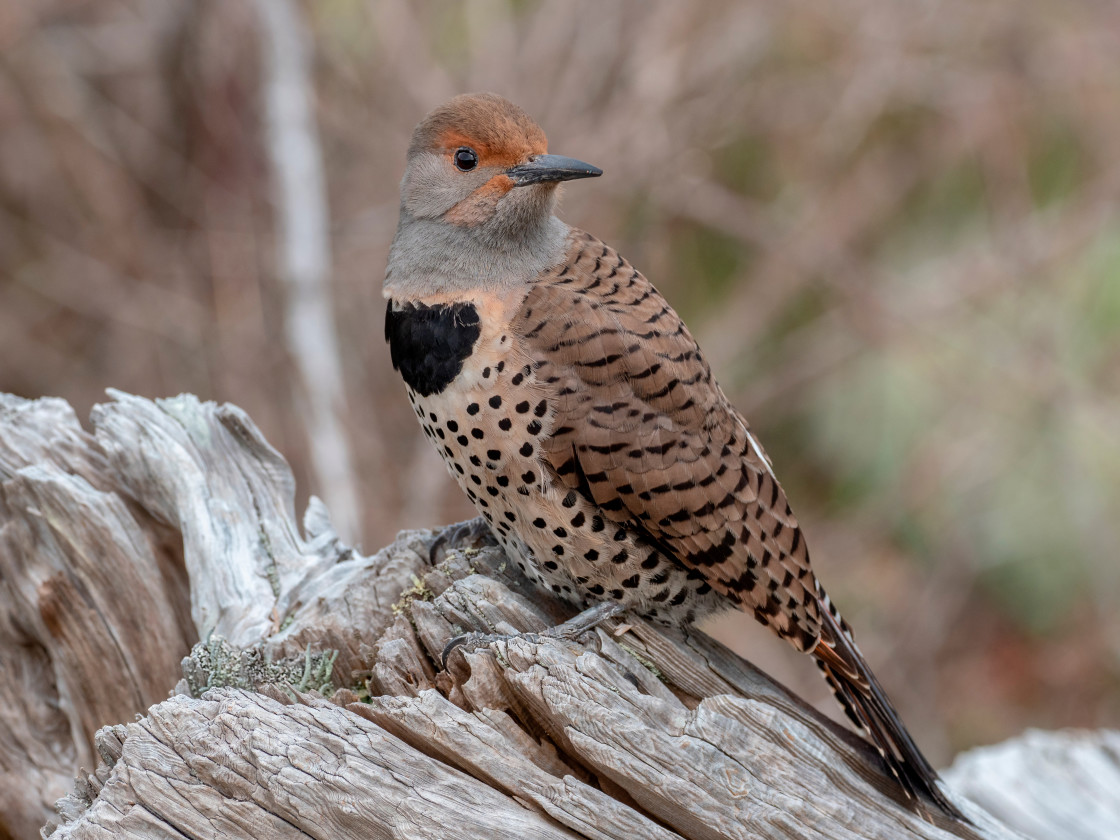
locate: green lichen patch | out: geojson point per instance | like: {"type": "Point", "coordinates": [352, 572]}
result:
{"type": "Point", "coordinates": [646, 663]}
{"type": "Point", "coordinates": [419, 591]}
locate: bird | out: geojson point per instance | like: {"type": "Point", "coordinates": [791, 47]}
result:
{"type": "Point", "coordinates": [576, 411]}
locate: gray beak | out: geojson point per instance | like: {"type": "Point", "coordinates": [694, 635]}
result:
{"type": "Point", "coordinates": [541, 168]}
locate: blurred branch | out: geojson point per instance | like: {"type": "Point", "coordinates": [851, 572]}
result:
{"type": "Point", "coordinates": [304, 257]}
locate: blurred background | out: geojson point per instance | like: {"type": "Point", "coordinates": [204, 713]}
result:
{"type": "Point", "coordinates": [894, 228]}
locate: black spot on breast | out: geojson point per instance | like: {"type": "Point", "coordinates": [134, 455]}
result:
{"type": "Point", "coordinates": [428, 344]}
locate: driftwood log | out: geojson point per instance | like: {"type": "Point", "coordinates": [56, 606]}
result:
{"type": "Point", "coordinates": [314, 704]}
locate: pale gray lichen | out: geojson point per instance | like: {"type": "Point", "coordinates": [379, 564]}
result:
{"type": "Point", "coordinates": [216, 663]}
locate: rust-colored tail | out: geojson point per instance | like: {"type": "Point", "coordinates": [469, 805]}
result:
{"type": "Point", "coordinates": [867, 705]}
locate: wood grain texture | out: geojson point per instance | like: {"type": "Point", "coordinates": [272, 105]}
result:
{"type": "Point", "coordinates": [634, 731]}
{"type": "Point", "coordinates": [239, 764]}
{"type": "Point", "coordinates": [74, 655]}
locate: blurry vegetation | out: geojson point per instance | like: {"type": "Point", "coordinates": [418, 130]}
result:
{"type": "Point", "coordinates": [895, 228]}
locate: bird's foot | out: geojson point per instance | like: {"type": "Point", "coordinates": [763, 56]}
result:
{"type": "Point", "coordinates": [570, 630]}
{"type": "Point", "coordinates": [472, 533]}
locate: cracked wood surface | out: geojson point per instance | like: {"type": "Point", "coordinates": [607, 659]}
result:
{"type": "Point", "coordinates": [174, 521]}
{"type": "Point", "coordinates": [240, 764]}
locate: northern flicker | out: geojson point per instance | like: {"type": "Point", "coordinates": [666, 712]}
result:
{"type": "Point", "coordinates": [576, 411]}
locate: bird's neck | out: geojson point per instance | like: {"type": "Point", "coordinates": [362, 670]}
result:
{"type": "Point", "coordinates": [430, 256]}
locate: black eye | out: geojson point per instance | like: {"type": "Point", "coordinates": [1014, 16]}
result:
{"type": "Point", "coordinates": [466, 159]}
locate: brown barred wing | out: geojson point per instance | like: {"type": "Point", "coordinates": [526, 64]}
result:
{"type": "Point", "coordinates": [643, 431]}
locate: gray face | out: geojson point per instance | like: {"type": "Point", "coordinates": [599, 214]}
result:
{"type": "Point", "coordinates": [432, 185]}
{"type": "Point", "coordinates": [470, 230]}
{"type": "Point", "coordinates": [484, 198]}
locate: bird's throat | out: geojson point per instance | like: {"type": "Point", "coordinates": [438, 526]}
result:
{"type": "Point", "coordinates": [430, 256]}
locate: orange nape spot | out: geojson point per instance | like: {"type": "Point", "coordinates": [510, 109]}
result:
{"type": "Point", "coordinates": [479, 206]}
{"type": "Point", "coordinates": [513, 148]}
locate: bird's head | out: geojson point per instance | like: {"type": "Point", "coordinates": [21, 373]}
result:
{"type": "Point", "coordinates": [481, 164]}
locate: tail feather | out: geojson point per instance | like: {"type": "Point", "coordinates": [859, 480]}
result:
{"type": "Point", "coordinates": [867, 705]}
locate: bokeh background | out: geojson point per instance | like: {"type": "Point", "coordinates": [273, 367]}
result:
{"type": "Point", "coordinates": [894, 227]}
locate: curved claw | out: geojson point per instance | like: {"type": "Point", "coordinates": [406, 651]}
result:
{"type": "Point", "coordinates": [477, 640]}
{"type": "Point", "coordinates": [569, 630]}
{"type": "Point", "coordinates": [451, 645]}
{"type": "Point", "coordinates": [469, 532]}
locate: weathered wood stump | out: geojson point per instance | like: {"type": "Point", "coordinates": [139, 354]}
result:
{"type": "Point", "coordinates": [315, 705]}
